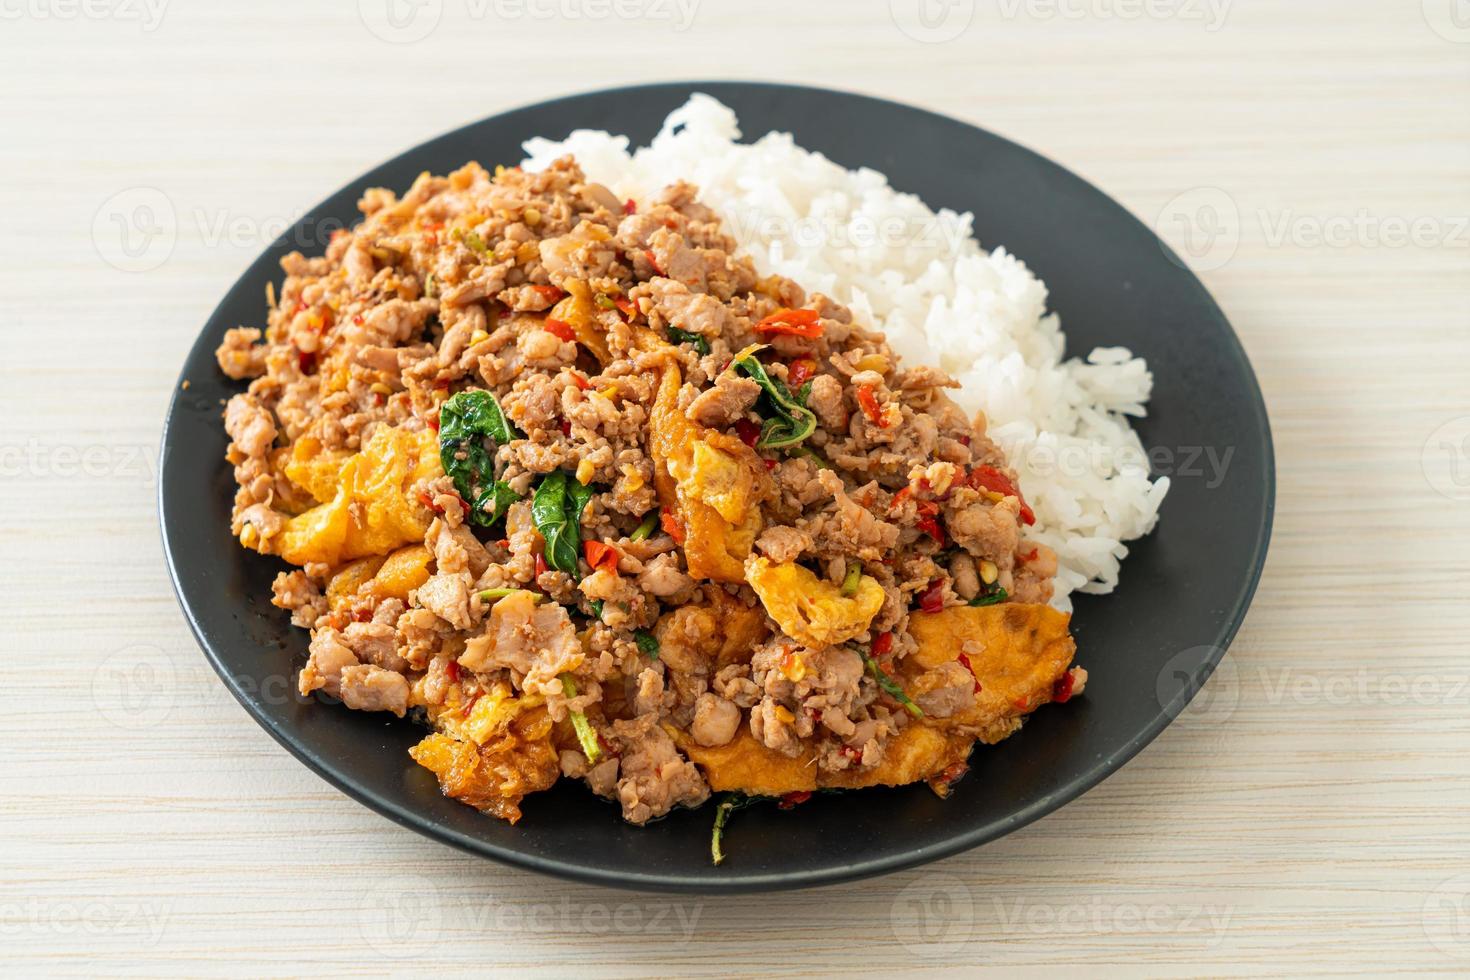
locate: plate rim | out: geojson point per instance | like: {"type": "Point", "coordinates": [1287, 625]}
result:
{"type": "Point", "coordinates": [1105, 766]}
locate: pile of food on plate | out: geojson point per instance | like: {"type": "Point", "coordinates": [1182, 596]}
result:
{"type": "Point", "coordinates": [562, 475]}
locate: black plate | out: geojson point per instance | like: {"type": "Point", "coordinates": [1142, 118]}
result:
{"type": "Point", "coordinates": [1149, 646]}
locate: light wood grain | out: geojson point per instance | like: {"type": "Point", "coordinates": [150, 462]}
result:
{"type": "Point", "coordinates": [1307, 818]}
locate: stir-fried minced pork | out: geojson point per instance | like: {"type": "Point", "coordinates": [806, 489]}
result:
{"type": "Point", "coordinates": [564, 477]}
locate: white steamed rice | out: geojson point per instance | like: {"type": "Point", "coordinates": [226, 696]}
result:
{"type": "Point", "coordinates": [923, 278]}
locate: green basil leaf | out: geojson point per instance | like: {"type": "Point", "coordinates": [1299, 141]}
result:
{"type": "Point", "coordinates": [677, 336]}
{"type": "Point", "coordinates": [494, 502]}
{"type": "Point", "coordinates": [556, 510]}
{"type": "Point", "coordinates": [578, 494]}
{"type": "Point", "coordinates": [647, 643]}
{"type": "Point", "coordinates": [466, 421]}
{"type": "Point", "coordinates": [788, 422]}
{"type": "Point", "coordinates": [989, 595]}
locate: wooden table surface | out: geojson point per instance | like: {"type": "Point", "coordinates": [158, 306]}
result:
{"type": "Point", "coordinates": [1309, 816]}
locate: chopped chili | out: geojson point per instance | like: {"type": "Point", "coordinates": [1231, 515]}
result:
{"type": "Point", "coordinates": [883, 645]}
{"type": "Point", "coordinates": [434, 421]}
{"type": "Point", "coordinates": [630, 206]}
{"type": "Point", "coordinates": [625, 306]}
{"type": "Point", "coordinates": [800, 372]}
{"type": "Point", "coordinates": [931, 527]}
{"type": "Point", "coordinates": [566, 428]}
{"type": "Point", "coordinates": [653, 260]}
{"type": "Point", "coordinates": [770, 463]}
{"type": "Point", "coordinates": [306, 361]}
{"type": "Point", "coordinates": [602, 557]}
{"type": "Point", "coordinates": [794, 799]}
{"type": "Point", "coordinates": [561, 328]}
{"type": "Point", "coordinates": [950, 775]}
{"type": "Point", "coordinates": [970, 667]}
{"type": "Point", "coordinates": [552, 293]}
{"type": "Point", "coordinates": [748, 432]}
{"type": "Point", "coordinates": [931, 600]}
{"type": "Point", "coordinates": [672, 526]}
{"type": "Point", "coordinates": [540, 565]}
{"type": "Point", "coordinates": [868, 402]}
{"type": "Point", "coordinates": [357, 319]}
{"type": "Point", "coordinates": [992, 479]}
{"type": "Point", "coordinates": [451, 670]}
{"type": "Point", "coordinates": [580, 381]}
{"type": "Point", "coordinates": [1061, 692]}
{"type": "Point", "coordinates": [796, 323]}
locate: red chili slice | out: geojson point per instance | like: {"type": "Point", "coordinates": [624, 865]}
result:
{"type": "Point", "coordinates": [1061, 692]}
{"type": "Point", "coordinates": [868, 402]}
{"type": "Point", "coordinates": [625, 306]}
{"type": "Point", "coordinates": [580, 381]}
{"type": "Point", "coordinates": [561, 328]}
{"type": "Point", "coordinates": [796, 323]}
{"type": "Point", "coordinates": [552, 293]}
{"type": "Point", "coordinates": [602, 557]}
{"type": "Point", "coordinates": [801, 371]}
{"type": "Point", "coordinates": [931, 600]}
{"type": "Point", "coordinates": [992, 479]}
{"type": "Point", "coordinates": [541, 566]}
{"type": "Point", "coordinates": [931, 527]}
{"type": "Point", "coordinates": [970, 667]}
{"type": "Point", "coordinates": [672, 526]}
{"type": "Point", "coordinates": [748, 432]}
{"type": "Point", "coordinates": [883, 645]}
{"type": "Point", "coordinates": [630, 206]}
{"type": "Point", "coordinates": [794, 799]}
